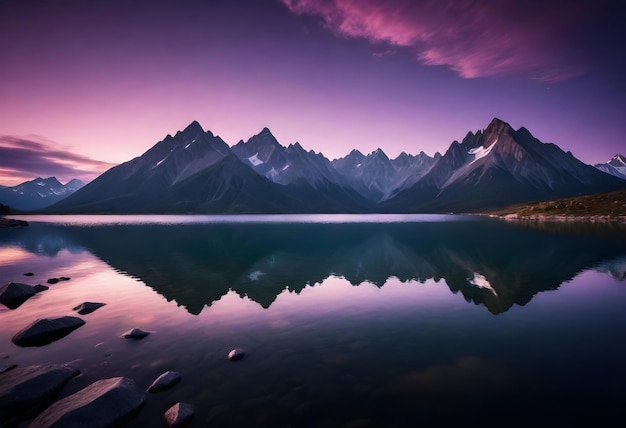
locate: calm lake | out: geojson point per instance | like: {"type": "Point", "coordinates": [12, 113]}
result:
{"type": "Point", "coordinates": [346, 321]}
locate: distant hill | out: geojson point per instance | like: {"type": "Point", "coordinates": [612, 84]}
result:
{"type": "Point", "coordinates": [611, 204]}
{"type": "Point", "coordinates": [38, 193]}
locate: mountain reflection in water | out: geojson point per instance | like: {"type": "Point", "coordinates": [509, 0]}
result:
{"type": "Point", "coordinates": [492, 263]}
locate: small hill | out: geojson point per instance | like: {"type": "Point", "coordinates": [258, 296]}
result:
{"type": "Point", "coordinates": [604, 205]}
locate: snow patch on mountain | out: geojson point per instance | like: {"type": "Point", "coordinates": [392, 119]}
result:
{"type": "Point", "coordinates": [254, 160]}
{"type": "Point", "coordinates": [615, 166]}
{"type": "Point", "coordinates": [481, 152]}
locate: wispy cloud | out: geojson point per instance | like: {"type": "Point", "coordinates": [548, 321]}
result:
{"type": "Point", "coordinates": [542, 41]}
{"type": "Point", "coordinates": [26, 158]}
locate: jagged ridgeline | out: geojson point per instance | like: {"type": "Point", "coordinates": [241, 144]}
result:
{"type": "Point", "coordinates": [195, 171]}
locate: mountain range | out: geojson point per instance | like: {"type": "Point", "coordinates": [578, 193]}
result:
{"type": "Point", "coordinates": [195, 171]}
{"type": "Point", "coordinates": [38, 193]}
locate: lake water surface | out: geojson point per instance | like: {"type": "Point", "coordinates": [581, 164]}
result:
{"type": "Point", "coordinates": [346, 321]}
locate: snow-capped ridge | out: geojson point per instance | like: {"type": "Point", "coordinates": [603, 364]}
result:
{"type": "Point", "coordinates": [616, 166]}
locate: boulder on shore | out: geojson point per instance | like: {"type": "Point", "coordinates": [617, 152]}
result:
{"type": "Point", "coordinates": [104, 403]}
{"type": "Point", "coordinates": [46, 330]}
{"type": "Point", "coordinates": [165, 381]}
{"type": "Point", "coordinates": [88, 307]}
{"type": "Point", "coordinates": [25, 389]}
{"type": "Point", "coordinates": [179, 414]}
{"type": "Point", "coordinates": [135, 333]}
{"type": "Point", "coordinates": [13, 294]}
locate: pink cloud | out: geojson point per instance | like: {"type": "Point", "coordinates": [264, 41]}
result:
{"type": "Point", "coordinates": [537, 40]}
{"type": "Point", "coordinates": [26, 158]}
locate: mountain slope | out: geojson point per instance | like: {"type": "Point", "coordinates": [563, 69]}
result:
{"type": "Point", "coordinates": [377, 177]}
{"type": "Point", "coordinates": [38, 193]}
{"type": "Point", "coordinates": [194, 172]}
{"type": "Point", "coordinates": [615, 166]}
{"type": "Point", "coordinates": [298, 169]}
{"type": "Point", "coordinates": [497, 167]}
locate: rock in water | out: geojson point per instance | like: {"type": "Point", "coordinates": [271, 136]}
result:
{"type": "Point", "coordinates": [88, 307]}
{"type": "Point", "coordinates": [179, 414]}
{"type": "Point", "coordinates": [25, 388]}
{"type": "Point", "coordinates": [12, 295]}
{"type": "Point", "coordinates": [104, 403]}
{"type": "Point", "coordinates": [165, 381]}
{"type": "Point", "coordinates": [52, 280]}
{"type": "Point", "coordinates": [29, 274]}
{"type": "Point", "coordinates": [46, 330]}
{"type": "Point", "coordinates": [39, 288]}
{"type": "Point", "coordinates": [7, 367]}
{"type": "Point", "coordinates": [135, 333]}
{"type": "Point", "coordinates": [236, 355]}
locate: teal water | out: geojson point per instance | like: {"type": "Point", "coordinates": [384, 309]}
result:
{"type": "Point", "coordinates": [346, 321]}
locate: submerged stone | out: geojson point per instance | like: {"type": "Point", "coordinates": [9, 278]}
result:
{"type": "Point", "coordinates": [135, 333]}
{"type": "Point", "coordinates": [13, 294]}
{"type": "Point", "coordinates": [88, 307]}
{"type": "Point", "coordinates": [179, 414]}
{"type": "Point", "coordinates": [236, 355]}
{"type": "Point", "coordinates": [104, 403]}
{"type": "Point", "coordinates": [165, 381]}
{"type": "Point", "coordinates": [24, 389]}
{"type": "Point", "coordinates": [46, 330]}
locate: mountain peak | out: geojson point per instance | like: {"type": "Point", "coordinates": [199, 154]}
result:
{"type": "Point", "coordinates": [193, 126]}
{"type": "Point", "coordinates": [497, 125]}
{"type": "Point", "coordinates": [379, 153]}
{"type": "Point", "coordinates": [618, 160]}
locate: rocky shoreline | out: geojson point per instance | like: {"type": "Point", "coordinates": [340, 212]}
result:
{"type": "Point", "coordinates": [9, 222]}
{"type": "Point", "coordinates": [560, 218]}
{"type": "Point", "coordinates": [34, 392]}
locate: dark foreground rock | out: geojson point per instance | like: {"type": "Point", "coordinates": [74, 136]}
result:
{"type": "Point", "coordinates": [39, 288]}
{"type": "Point", "coordinates": [46, 330]}
{"type": "Point", "coordinates": [88, 307]}
{"type": "Point", "coordinates": [179, 414]}
{"type": "Point", "coordinates": [55, 280]}
{"type": "Point", "coordinates": [104, 403]}
{"type": "Point", "coordinates": [7, 367]}
{"type": "Point", "coordinates": [236, 355]}
{"type": "Point", "coordinates": [165, 381]}
{"type": "Point", "coordinates": [26, 389]}
{"type": "Point", "coordinates": [135, 333]}
{"type": "Point", "coordinates": [13, 294]}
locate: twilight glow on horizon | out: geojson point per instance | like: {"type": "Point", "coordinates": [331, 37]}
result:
{"type": "Point", "coordinates": [85, 85]}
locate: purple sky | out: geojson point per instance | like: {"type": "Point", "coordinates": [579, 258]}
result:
{"type": "Point", "coordinates": [88, 84]}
